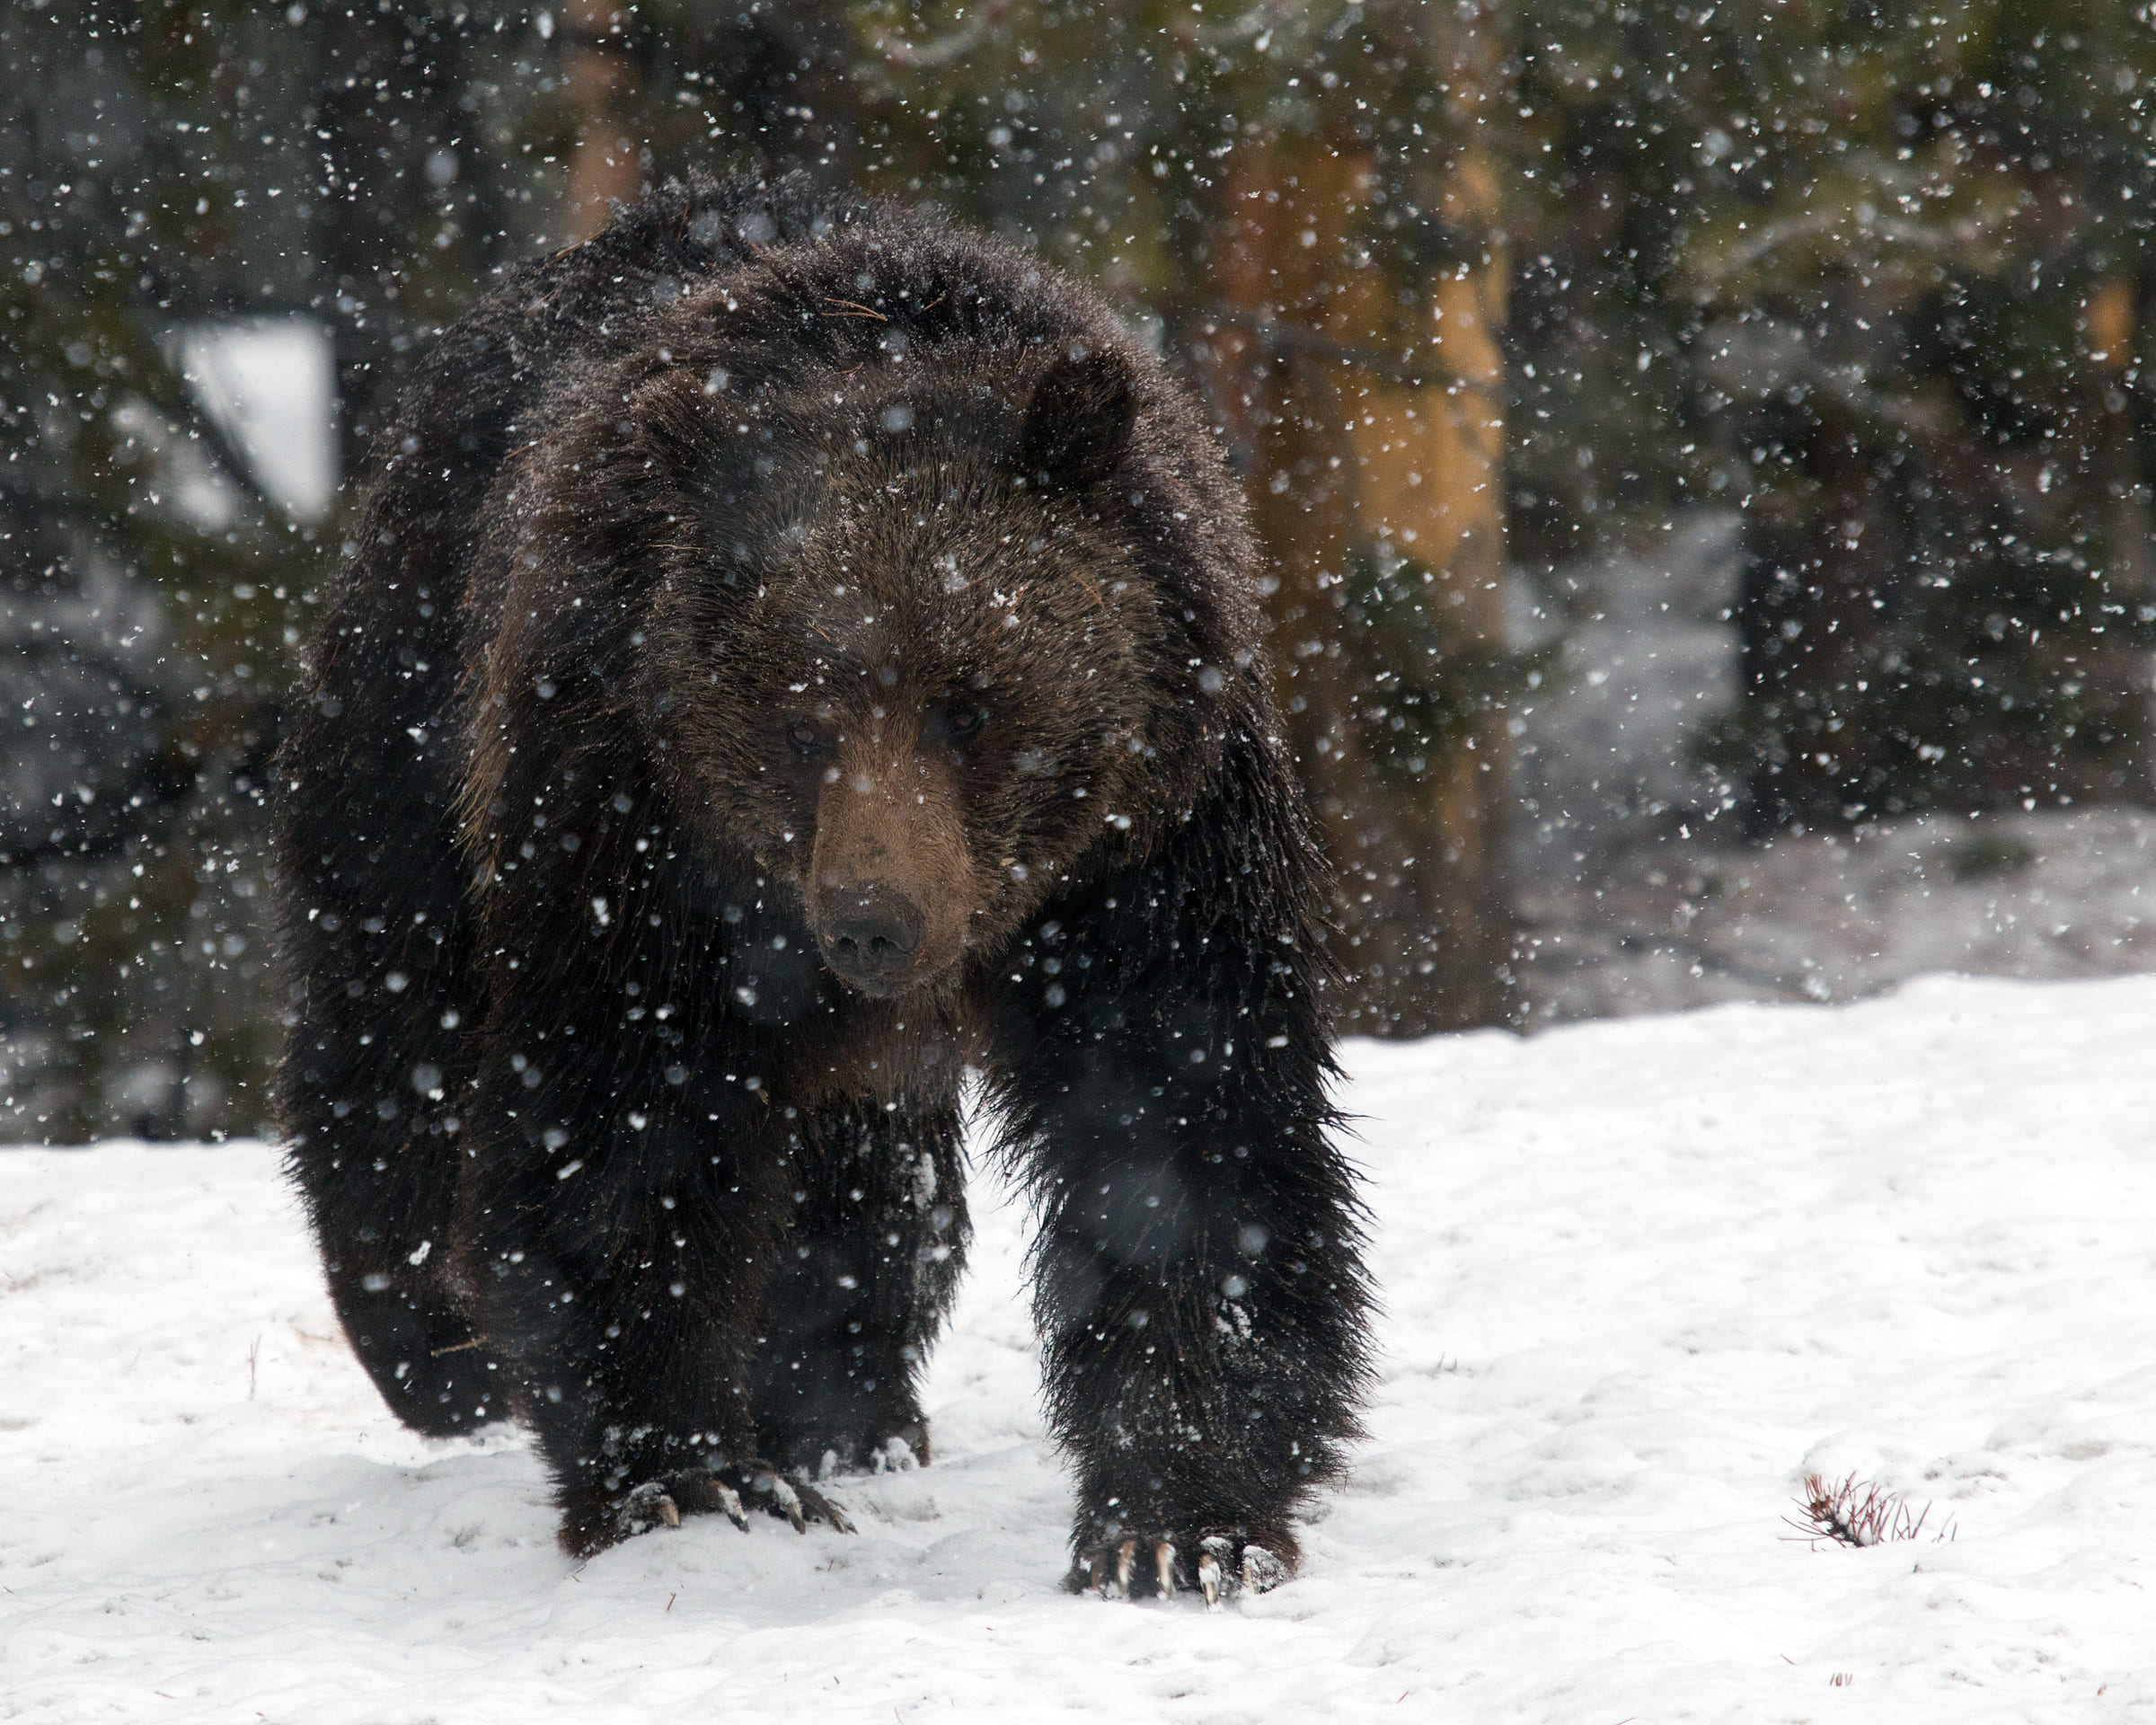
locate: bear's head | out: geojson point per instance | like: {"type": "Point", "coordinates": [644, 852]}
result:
{"type": "Point", "coordinates": [917, 639]}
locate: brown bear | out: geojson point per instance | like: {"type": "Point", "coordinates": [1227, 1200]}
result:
{"type": "Point", "coordinates": [796, 654]}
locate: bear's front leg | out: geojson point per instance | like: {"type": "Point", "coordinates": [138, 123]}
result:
{"type": "Point", "coordinates": [875, 1242]}
{"type": "Point", "coordinates": [621, 1255]}
{"type": "Point", "coordinates": [1200, 1293]}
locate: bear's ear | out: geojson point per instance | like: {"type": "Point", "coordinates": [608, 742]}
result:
{"type": "Point", "coordinates": [1078, 422]}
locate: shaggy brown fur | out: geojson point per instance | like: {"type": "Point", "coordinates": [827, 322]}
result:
{"type": "Point", "coordinates": [794, 653]}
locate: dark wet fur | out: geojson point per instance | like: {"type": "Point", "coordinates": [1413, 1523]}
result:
{"type": "Point", "coordinates": [590, 1132]}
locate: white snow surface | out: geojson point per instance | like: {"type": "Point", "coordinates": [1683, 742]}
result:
{"type": "Point", "coordinates": [1639, 1278]}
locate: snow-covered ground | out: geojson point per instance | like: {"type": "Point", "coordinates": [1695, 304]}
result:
{"type": "Point", "coordinates": [1660, 925]}
{"type": "Point", "coordinates": [1639, 1276]}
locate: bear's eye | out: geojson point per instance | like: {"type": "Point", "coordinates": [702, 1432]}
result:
{"type": "Point", "coordinates": [964, 722]}
{"type": "Point", "coordinates": [802, 735]}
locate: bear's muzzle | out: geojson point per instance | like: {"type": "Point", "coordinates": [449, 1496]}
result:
{"type": "Point", "coordinates": [874, 939]}
{"type": "Point", "coordinates": [891, 888]}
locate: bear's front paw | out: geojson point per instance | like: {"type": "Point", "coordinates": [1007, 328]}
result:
{"type": "Point", "coordinates": [590, 1526]}
{"type": "Point", "coordinates": [776, 1493]}
{"type": "Point", "coordinates": [1124, 1565]}
{"type": "Point", "coordinates": [650, 1506]}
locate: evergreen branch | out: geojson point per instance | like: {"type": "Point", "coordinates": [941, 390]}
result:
{"type": "Point", "coordinates": [943, 50]}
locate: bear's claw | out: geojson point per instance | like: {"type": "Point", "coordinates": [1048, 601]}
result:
{"type": "Point", "coordinates": [661, 1503]}
{"type": "Point", "coordinates": [729, 1504]}
{"type": "Point", "coordinates": [650, 1505]}
{"type": "Point", "coordinates": [1225, 1567]}
{"type": "Point", "coordinates": [1209, 1579]}
{"type": "Point", "coordinates": [799, 1502]}
{"type": "Point", "coordinates": [779, 1494]}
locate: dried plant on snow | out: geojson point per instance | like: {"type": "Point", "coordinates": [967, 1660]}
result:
{"type": "Point", "coordinates": [1857, 1512]}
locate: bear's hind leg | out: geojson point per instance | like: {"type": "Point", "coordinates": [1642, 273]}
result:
{"type": "Point", "coordinates": [375, 1160]}
{"type": "Point", "coordinates": [376, 952]}
{"type": "Point", "coordinates": [385, 1255]}
{"type": "Point", "coordinates": [864, 1279]}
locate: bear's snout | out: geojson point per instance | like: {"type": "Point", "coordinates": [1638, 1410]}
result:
{"type": "Point", "coordinates": [874, 939]}
{"type": "Point", "coordinates": [891, 881]}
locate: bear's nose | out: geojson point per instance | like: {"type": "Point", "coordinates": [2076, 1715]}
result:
{"type": "Point", "coordinates": [872, 941]}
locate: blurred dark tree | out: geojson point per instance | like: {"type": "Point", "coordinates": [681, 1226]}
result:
{"type": "Point", "coordinates": [169, 170]}
{"type": "Point", "coordinates": [137, 721]}
{"type": "Point", "coordinates": [1873, 275]}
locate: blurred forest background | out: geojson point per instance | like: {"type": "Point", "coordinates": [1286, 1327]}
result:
{"type": "Point", "coordinates": [1713, 424]}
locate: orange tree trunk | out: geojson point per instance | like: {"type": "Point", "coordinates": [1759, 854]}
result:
{"type": "Point", "coordinates": [602, 81]}
{"type": "Point", "coordinates": [1374, 430]}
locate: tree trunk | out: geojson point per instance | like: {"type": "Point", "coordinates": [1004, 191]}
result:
{"type": "Point", "coordinates": [602, 80]}
{"type": "Point", "coordinates": [1375, 431]}
{"type": "Point", "coordinates": [2130, 544]}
